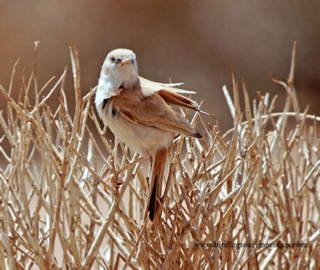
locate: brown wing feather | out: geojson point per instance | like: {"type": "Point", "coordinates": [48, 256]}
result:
{"type": "Point", "coordinates": [178, 100]}
{"type": "Point", "coordinates": [152, 111]}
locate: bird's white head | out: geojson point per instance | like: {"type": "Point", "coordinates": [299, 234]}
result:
{"type": "Point", "coordinates": [120, 66]}
{"type": "Point", "coordinates": [119, 71]}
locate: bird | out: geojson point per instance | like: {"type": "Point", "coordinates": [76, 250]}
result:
{"type": "Point", "coordinates": [139, 113]}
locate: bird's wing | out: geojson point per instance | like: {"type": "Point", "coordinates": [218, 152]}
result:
{"type": "Point", "coordinates": [150, 87]}
{"type": "Point", "coordinates": [152, 111]}
{"type": "Point", "coordinates": [170, 95]}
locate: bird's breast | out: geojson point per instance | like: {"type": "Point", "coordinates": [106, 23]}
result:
{"type": "Point", "coordinates": [136, 136]}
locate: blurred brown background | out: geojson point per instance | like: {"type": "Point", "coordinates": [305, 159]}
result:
{"type": "Point", "coordinates": [191, 41]}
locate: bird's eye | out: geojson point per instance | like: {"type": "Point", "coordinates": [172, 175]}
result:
{"type": "Point", "coordinates": [112, 59]}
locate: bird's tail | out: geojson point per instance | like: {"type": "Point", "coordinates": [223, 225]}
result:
{"type": "Point", "coordinates": [157, 176]}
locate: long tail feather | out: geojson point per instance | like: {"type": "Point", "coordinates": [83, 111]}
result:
{"type": "Point", "coordinates": [157, 177]}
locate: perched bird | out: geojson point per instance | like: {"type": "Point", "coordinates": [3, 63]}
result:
{"type": "Point", "coordinates": [138, 113]}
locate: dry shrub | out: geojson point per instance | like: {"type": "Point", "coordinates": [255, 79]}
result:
{"type": "Point", "coordinates": [245, 199]}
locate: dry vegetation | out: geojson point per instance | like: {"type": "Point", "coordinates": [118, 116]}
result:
{"type": "Point", "coordinates": [255, 186]}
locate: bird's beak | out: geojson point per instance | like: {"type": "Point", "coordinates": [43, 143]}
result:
{"type": "Point", "coordinates": [126, 62]}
